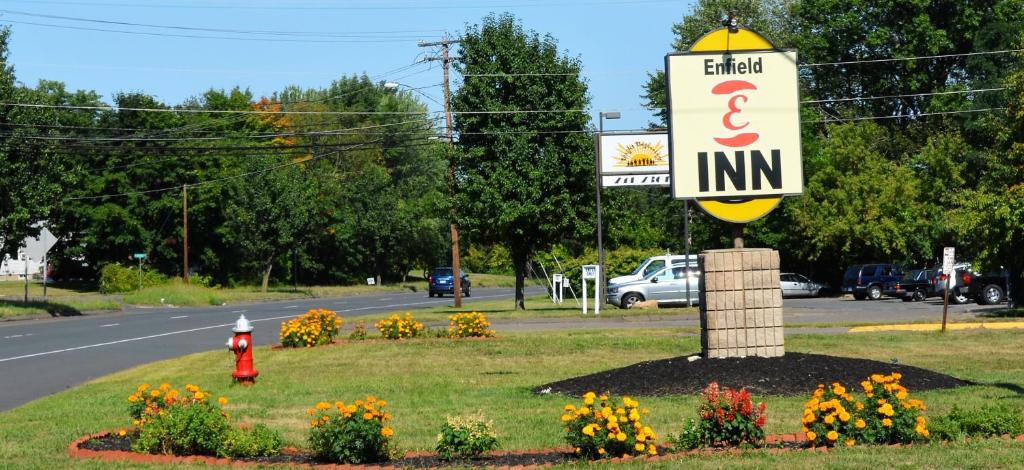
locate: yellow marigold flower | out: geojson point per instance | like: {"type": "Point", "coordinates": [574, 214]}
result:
{"type": "Point", "coordinates": [566, 418]}
{"type": "Point", "coordinates": [386, 432]}
{"type": "Point", "coordinates": [902, 394]}
{"type": "Point", "coordinates": [351, 409]}
{"type": "Point", "coordinates": [651, 450]}
{"type": "Point", "coordinates": [850, 442]}
{"type": "Point", "coordinates": [133, 398]}
{"type": "Point", "coordinates": [314, 422]}
{"type": "Point", "coordinates": [613, 419]}
{"type": "Point", "coordinates": [583, 411]}
{"type": "Point", "coordinates": [367, 415]}
{"type": "Point", "coordinates": [588, 401]}
{"type": "Point", "coordinates": [325, 418]}
{"type": "Point", "coordinates": [829, 419]}
{"type": "Point", "coordinates": [154, 393]}
{"type": "Point", "coordinates": [570, 407]}
{"type": "Point", "coordinates": [222, 400]}
{"type": "Point", "coordinates": [589, 430]}
{"type": "Point", "coordinates": [634, 416]}
{"type": "Point", "coordinates": [165, 386]}
{"type": "Point", "coordinates": [832, 435]}
{"type": "Point", "coordinates": [143, 387]}
{"type": "Point", "coordinates": [859, 424]}
{"type": "Point", "coordinates": [811, 436]}
{"type": "Point", "coordinates": [600, 450]}
{"type": "Point", "coordinates": [897, 375]}
{"type": "Point", "coordinates": [921, 421]}
{"type": "Point", "coordinates": [859, 406]}
{"type": "Point", "coordinates": [621, 436]}
{"type": "Point", "coordinates": [578, 450]}
{"type": "Point", "coordinates": [639, 447]}
{"type": "Point", "coordinates": [122, 433]}
{"type": "Point", "coordinates": [886, 422]}
{"type": "Point", "coordinates": [844, 416]}
{"type": "Point", "coordinates": [381, 403]}
{"type": "Point", "coordinates": [877, 378]}
{"type": "Point", "coordinates": [838, 389]}
{"type": "Point", "coordinates": [310, 411]}
{"type": "Point", "coordinates": [200, 395]}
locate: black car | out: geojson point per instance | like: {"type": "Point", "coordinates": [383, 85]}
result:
{"type": "Point", "coordinates": [988, 288]}
{"type": "Point", "coordinates": [915, 286]}
{"type": "Point", "coordinates": [866, 281]}
{"type": "Point", "coordinates": [442, 282]}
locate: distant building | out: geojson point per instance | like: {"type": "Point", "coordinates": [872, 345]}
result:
{"type": "Point", "coordinates": [32, 253]}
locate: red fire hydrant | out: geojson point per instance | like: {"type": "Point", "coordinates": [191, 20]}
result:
{"type": "Point", "coordinates": [241, 345]}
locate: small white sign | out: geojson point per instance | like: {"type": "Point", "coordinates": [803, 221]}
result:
{"type": "Point", "coordinates": [590, 271]}
{"type": "Point", "coordinates": [948, 256]}
{"type": "Point", "coordinates": [371, 281]}
{"type": "Point", "coordinates": [556, 277]}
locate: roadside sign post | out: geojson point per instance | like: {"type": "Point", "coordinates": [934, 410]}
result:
{"type": "Point", "coordinates": [557, 288]}
{"type": "Point", "coordinates": [948, 255]}
{"type": "Point", "coordinates": [140, 257]}
{"type": "Point", "coordinates": [591, 271]}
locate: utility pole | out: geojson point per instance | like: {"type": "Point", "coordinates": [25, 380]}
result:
{"type": "Point", "coordinates": [184, 224]}
{"type": "Point", "coordinates": [445, 60]}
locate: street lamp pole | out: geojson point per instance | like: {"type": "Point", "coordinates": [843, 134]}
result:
{"type": "Point", "coordinates": [597, 188]}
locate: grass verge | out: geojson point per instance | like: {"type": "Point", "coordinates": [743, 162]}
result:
{"type": "Point", "coordinates": [538, 307]}
{"type": "Point", "coordinates": [425, 380]}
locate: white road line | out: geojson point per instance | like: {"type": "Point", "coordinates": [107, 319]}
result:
{"type": "Point", "coordinates": [291, 306]}
{"type": "Point", "coordinates": [171, 333]}
{"type": "Point", "coordinates": [239, 311]}
{"type": "Point", "coordinates": [108, 325]}
{"type": "Point", "coordinates": [179, 316]}
{"type": "Point", "coordinates": [13, 336]}
{"type": "Point", "coordinates": [385, 299]}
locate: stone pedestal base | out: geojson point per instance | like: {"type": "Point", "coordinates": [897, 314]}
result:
{"type": "Point", "coordinates": [740, 303]}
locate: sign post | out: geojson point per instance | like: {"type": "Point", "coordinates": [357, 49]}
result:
{"type": "Point", "coordinates": [140, 257]}
{"type": "Point", "coordinates": [557, 288]}
{"type": "Point", "coordinates": [591, 271]}
{"type": "Point", "coordinates": [948, 257]}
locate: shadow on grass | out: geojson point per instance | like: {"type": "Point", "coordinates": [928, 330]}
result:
{"type": "Point", "coordinates": [54, 309]}
{"type": "Point", "coordinates": [1006, 386]}
{"type": "Point", "coordinates": [1005, 313]}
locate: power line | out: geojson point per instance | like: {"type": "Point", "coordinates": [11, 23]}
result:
{"type": "Point", "coordinates": [361, 34]}
{"type": "Point", "coordinates": [913, 95]}
{"type": "Point", "coordinates": [334, 113]}
{"type": "Point", "coordinates": [900, 116]}
{"type": "Point", "coordinates": [942, 56]}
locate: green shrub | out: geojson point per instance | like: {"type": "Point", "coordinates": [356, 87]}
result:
{"type": "Point", "coordinates": [487, 260]}
{"type": "Point", "coordinates": [688, 439]}
{"type": "Point", "coordinates": [115, 278]}
{"type": "Point", "coordinates": [354, 433]}
{"type": "Point", "coordinates": [466, 437]}
{"type": "Point", "coordinates": [258, 441]}
{"type": "Point", "coordinates": [184, 428]}
{"type": "Point", "coordinates": [358, 331]}
{"type": "Point", "coordinates": [986, 421]}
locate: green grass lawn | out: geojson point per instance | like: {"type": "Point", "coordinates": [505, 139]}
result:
{"type": "Point", "coordinates": [425, 380]}
{"type": "Point", "coordinates": [538, 307]}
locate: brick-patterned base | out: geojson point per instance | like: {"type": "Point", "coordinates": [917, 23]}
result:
{"type": "Point", "coordinates": [741, 303]}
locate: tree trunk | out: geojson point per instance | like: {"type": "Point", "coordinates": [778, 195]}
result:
{"type": "Point", "coordinates": [1015, 289]}
{"type": "Point", "coordinates": [266, 274]}
{"type": "Point", "coordinates": [519, 260]}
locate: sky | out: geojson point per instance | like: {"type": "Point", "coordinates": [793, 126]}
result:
{"type": "Point", "coordinates": [618, 42]}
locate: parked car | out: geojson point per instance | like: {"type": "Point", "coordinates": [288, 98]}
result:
{"type": "Point", "coordinates": [798, 285]}
{"type": "Point", "coordinates": [957, 285]}
{"type": "Point", "coordinates": [652, 264]}
{"type": "Point", "coordinates": [866, 281]}
{"type": "Point", "coordinates": [987, 289]}
{"type": "Point", "coordinates": [442, 282]}
{"type": "Point", "coordinates": [668, 285]}
{"type": "Point", "coordinates": [916, 285]}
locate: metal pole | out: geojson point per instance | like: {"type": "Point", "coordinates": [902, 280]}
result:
{"type": "Point", "coordinates": [26, 275]}
{"type": "Point", "coordinates": [737, 236]}
{"type": "Point", "coordinates": [597, 186]}
{"type": "Point", "coordinates": [140, 273]}
{"type": "Point", "coordinates": [686, 241]}
{"type": "Point", "coordinates": [46, 267]}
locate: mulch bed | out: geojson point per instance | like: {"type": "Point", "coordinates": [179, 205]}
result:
{"type": "Point", "coordinates": [791, 374]}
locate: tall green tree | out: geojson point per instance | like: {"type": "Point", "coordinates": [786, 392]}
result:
{"type": "Point", "coordinates": [525, 165]}
{"type": "Point", "coordinates": [34, 170]}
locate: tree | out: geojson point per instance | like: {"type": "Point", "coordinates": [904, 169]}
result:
{"type": "Point", "coordinates": [524, 169]}
{"type": "Point", "coordinates": [34, 171]}
{"type": "Point", "coordinates": [268, 213]}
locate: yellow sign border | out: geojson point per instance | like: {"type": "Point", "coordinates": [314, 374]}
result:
{"type": "Point", "coordinates": [744, 210]}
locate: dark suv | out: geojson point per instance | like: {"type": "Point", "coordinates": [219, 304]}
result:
{"type": "Point", "coordinates": [866, 281]}
{"type": "Point", "coordinates": [442, 282]}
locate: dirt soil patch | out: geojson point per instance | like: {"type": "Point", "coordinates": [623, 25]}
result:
{"type": "Point", "coordinates": [791, 374]}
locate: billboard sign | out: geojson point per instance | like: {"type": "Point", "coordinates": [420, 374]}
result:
{"type": "Point", "coordinates": [734, 124]}
{"type": "Point", "coordinates": [626, 156]}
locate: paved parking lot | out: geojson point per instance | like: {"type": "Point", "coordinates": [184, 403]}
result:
{"type": "Point", "coordinates": [847, 310]}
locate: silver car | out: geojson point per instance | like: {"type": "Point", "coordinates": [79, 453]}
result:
{"type": "Point", "coordinates": [667, 285]}
{"type": "Point", "coordinates": [798, 285]}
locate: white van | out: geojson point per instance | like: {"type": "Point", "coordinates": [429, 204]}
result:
{"type": "Point", "coordinates": [653, 264]}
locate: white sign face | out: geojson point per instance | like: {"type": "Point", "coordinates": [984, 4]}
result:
{"type": "Point", "coordinates": [734, 124]}
{"type": "Point", "coordinates": [631, 154]}
{"type": "Point", "coordinates": [661, 179]}
{"type": "Point", "coordinates": [590, 271]}
{"type": "Point", "coordinates": [556, 278]}
{"type": "Point", "coordinates": [36, 248]}
{"type": "Point", "coordinates": [371, 281]}
{"type": "Point", "coordinates": [948, 256]}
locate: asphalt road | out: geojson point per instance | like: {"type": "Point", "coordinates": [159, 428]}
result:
{"type": "Point", "coordinates": [42, 357]}
{"type": "Point", "coordinates": [39, 358]}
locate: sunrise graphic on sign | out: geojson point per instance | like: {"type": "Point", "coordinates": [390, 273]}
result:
{"type": "Point", "coordinates": [641, 153]}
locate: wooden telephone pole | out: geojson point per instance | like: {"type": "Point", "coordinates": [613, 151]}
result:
{"type": "Point", "coordinates": [445, 60]}
{"type": "Point", "coordinates": [184, 226]}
